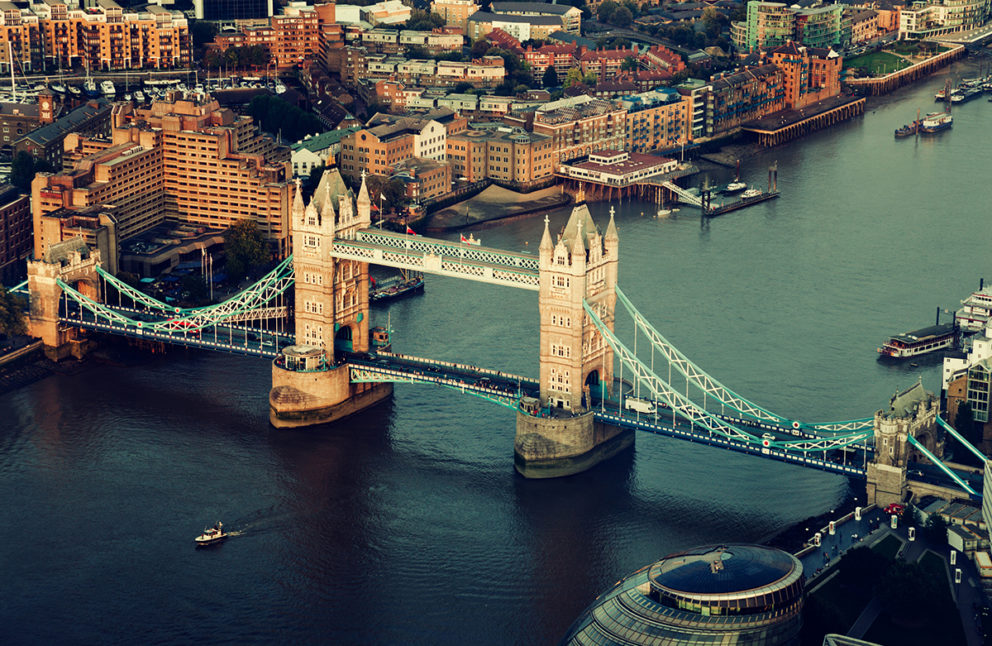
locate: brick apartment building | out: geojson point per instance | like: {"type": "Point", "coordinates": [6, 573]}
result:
{"type": "Point", "coordinates": [182, 159]}
{"type": "Point", "coordinates": [508, 155]}
{"type": "Point", "coordinates": [103, 36]}
{"type": "Point", "coordinates": [292, 38]}
{"type": "Point", "coordinates": [576, 125]}
{"type": "Point", "coordinates": [15, 232]}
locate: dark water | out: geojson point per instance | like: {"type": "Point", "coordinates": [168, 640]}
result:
{"type": "Point", "coordinates": [407, 524]}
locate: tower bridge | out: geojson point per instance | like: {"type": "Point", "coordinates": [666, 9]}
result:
{"type": "Point", "coordinates": [593, 391]}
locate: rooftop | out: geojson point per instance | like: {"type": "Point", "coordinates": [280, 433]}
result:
{"type": "Point", "coordinates": [722, 569]}
{"type": "Point", "coordinates": [59, 128]}
{"type": "Point", "coordinates": [324, 139]}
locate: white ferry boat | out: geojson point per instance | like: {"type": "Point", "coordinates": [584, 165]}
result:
{"type": "Point", "coordinates": [976, 310]}
{"type": "Point", "coordinates": [108, 89]}
{"type": "Point", "coordinates": [922, 341]}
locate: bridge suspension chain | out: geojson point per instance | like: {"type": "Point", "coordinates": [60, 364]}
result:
{"type": "Point", "coordinates": [271, 285]}
{"type": "Point", "coordinates": [716, 390]}
{"type": "Point", "coordinates": [688, 409]}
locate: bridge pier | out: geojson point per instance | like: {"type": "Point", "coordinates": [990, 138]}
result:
{"type": "Point", "coordinates": [300, 397]}
{"type": "Point", "coordinates": [553, 447]}
{"type": "Point", "coordinates": [72, 263]}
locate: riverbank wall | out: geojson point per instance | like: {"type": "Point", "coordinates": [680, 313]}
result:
{"type": "Point", "coordinates": [885, 84]}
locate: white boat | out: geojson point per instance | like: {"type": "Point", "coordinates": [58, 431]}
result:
{"type": "Point", "coordinates": [917, 342]}
{"type": "Point", "coordinates": [74, 90]}
{"type": "Point", "coordinates": [139, 96]}
{"type": "Point", "coordinates": [751, 192]}
{"type": "Point", "coordinates": [733, 187]}
{"type": "Point", "coordinates": [976, 310]}
{"type": "Point", "coordinates": [90, 88]}
{"type": "Point", "coordinates": [128, 97]}
{"type": "Point", "coordinates": [58, 88]}
{"type": "Point", "coordinates": [108, 89]}
{"type": "Point", "coordinates": [211, 535]}
{"type": "Point", "coordinates": [280, 88]}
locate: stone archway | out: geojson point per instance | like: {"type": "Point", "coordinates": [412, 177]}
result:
{"type": "Point", "coordinates": [343, 339]}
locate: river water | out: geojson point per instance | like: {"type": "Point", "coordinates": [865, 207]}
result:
{"type": "Point", "coordinates": [407, 523]}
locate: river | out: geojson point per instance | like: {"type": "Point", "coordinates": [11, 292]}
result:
{"type": "Point", "coordinates": [407, 523]}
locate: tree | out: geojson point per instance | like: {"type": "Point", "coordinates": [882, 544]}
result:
{"type": "Point", "coordinates": [416, 51]}
{"type": "Point", "coordinates": [11, 313]}
{"type": "Point", "coordinates": [23, 169]}
{"type": "Point", "coordinates": [965, 424]}
{"type": "Point", "coordinates": [573, 76]}
{"type": "Point", "coordinates": [906, 593]}
{"type": "Point", "coordinates": [202, 32]}
{"type": "Point", "coordinates": [394, 193]}
{"type": "Point", "coordinates": [462, 87]}
{"type": "Point", "coordinates": [606, 11]}
{"type": "Point", "coordinates": [860, 566]}
{"type": "Point", "coordinates": [550, 78]}
{"type": "Point", "coordinates": [936, 529]}
{"type": "Point", "coordinates": [309, 185]}
{"type": "Point", "coordinates": [629, 64]}
{"type": "Point", "coordinates": [245, 249]}
{"type": "Point", "coordinates": [622, 17]}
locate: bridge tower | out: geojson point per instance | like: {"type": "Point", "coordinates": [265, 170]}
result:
{"type": "Point", "coordinates": [558, 435]}
{"type": "Point", "coordinates": [311, 381]}
{"type": "Point", "coordinates": [912, 412]}
{"type": "Point", "coordinates": [74, 263]}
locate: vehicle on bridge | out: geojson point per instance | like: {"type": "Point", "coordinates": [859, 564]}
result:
{"type": "Point", "coordinates": [180, 325]}
{"type": "Point", "coordinates": [639, 405]}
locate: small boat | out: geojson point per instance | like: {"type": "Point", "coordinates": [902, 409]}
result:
{"type": "Point", "coordinates": [734, 187]}
{"type": "Point", "coordinates": [90, 88]}
{"type": "Point", "coordinates": [139, 96]}
{"type": "Point", "coordinates": [74, 90]}
{"type": "Point", "coordinates": [936, 122]}
{"type": "Point", "coordinates": [751, 192]}
{"type": "Point", "coordinates": [211, 535]}
{"type": "Point", "coordinates": [58, 88]}
{"type": "Point", "coordinates": [280, 88]}
{"type": "Point", "coordinates": [128, 97]}
{"type": "Point", "coordinates": [396, 287]}
{"type": "Point", "coordinates": [108, 89]}
{"type": "Point", "coordinates": [908, 130]}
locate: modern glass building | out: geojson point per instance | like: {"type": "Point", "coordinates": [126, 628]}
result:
{"type": "Point", "coordinates": [718, 594]}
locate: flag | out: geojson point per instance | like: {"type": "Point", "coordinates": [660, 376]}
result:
{"type": "Point", "coordinates": [410, 232]}
{"type": "Point", "coordinates": [375, 208]}
{"type": "Point", "coordinates": [464, 239]}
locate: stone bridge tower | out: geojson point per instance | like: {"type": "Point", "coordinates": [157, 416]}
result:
{"type": "Point", "coordinates": [557, 435]}
{"type": "Point", "coordinates": [74, 264]}
{"type": "Point", "coordinates": [311, 381]}
{"type": "Point", "coordinates": [913, 412]}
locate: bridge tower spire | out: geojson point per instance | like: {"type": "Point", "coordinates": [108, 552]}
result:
{"type": "Point", "coordinates": [311, 381]}
{"type": "Point", "coordinates": [558, 435]}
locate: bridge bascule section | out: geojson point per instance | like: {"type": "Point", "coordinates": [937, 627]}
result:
{"type": "Point", "coordinates": [576, 414]}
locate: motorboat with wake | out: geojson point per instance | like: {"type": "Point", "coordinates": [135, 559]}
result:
{"type": "Point", "coordinates": [211, 535]}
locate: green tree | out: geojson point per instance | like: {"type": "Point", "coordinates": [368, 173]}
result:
{"type": "Point", "coordinates": [629, 64]}
{"type": "Point", "coordinates": [245, 249]}
{"type": "Point", "coordinates": [936, 529]}
{"type": "Point", "coordinates": [622, 17]}
{"type": "Point", "coordinates": [550, 78]}
{"type": "Point", "coordinates": [606, 11]}
{"type": "Point", "coordinates": [394, 193]}
{"type": "Point", "coordinates": [23, 169]}
{"type": "Point", "coordinates": [195, 290]}
{"type": "Point", "coordinates": [416, 51]}
{"type": "Point", "coordinates": [462, 87]}
{"type": "Point", "coordinates": [860, 566]}
{"type": "Point", "coordinates": [573, 77]}
{"type": "Point", "coordinates": [202, 32]}
{"type": "Point", "coordinates": [906, 592]}
{"type": "Point", "coordinates": [309, 185]}
{"type": "Point", "coordinates": [11, 313]}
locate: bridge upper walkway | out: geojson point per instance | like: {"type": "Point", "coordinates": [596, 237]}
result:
{"type": "Point", "coordinates": [442, 257]}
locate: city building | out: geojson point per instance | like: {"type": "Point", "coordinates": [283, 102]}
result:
{"type": "Point", "coordinates": [809, 74]}
{"type": "Point", "coordinates": [577, 125]}
{"type": "Point", "coordinates": [230, 10]}
{"type": "Point", "coordinates": [721, 594]}
{"type": "Point", "coordinates": [454, 12]}
{"type": "Point", "coordinates": [18, 119]}
{"type": "Point", "coordinates": [388, 12]}
{"type": "Point", "coordinates": [15, 232]}
{"type": "Point", "coordinates": [659, 119]}
{"type": "Point", "coordinates": [770, 24]}
{"type": "Point", "coordinates": [562, 57]}
{"type": "Point", "coordinates": [103, 36]}
{"type": "Point", "coordinates": [571, 17]}
{"type": "Point", "coordinates": [292, 38]}
{"type": "Point", "coordinates": [423, 178]}
{"type": "Point", "coordinates": [511, 156]}
{"type": "Point", "coordinates": [861, 24]}
{"type": "Point", "coordinates": [521, 27]}
{"type": "Point", "coordinates": [385, 142]}
{"type": "Point", "coordinates": [969, 380]}
{"type": "Point", "coordinates": [928, 18]}
{"type": "Point", "coordinates": [741, 96]}
{"type": "Point", "coordinates": [318, 150]}
{"type": "Point", "coordinates": [91, 118]}
{"type": "Point", "coordinates": [364, 66]}
{"type": "Point", "coordinates": [617, 168]}
{"type": "Point", "coordinates": [184, 159]}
